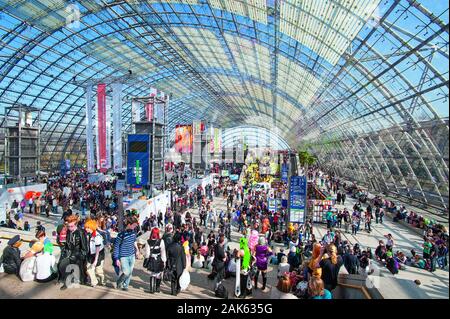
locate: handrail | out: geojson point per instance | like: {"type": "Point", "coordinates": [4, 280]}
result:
{"type": "Point", "coordinates": [363, 289]}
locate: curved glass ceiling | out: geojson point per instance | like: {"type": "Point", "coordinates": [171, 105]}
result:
{"type": "Point", "coordinates": [362, 82]}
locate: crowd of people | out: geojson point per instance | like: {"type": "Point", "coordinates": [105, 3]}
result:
{"type": "Point", "coordinates": [193, 233]}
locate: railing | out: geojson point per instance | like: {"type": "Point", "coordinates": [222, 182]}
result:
{"type": "Point", "coordinates": [361, 288]}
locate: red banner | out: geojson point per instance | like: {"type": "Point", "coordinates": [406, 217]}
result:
{"type": "Point", "coordinates": [101, 125]}
{"type": "Point", "coordinates": [149, 112]}
{"type": "Point", "coordinates": [183, 138]}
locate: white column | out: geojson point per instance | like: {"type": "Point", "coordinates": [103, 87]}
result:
{"type": "Point", "coordinates": [117, 125]}
{"type": "Point", "coordinates": [89, 130]}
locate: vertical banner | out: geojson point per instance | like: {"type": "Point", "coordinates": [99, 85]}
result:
{"type": "Point", "coordinates": [117, 124]}
{"type": "Point", "coordinates": [108, 133]}
{"type": "Point", "coordinates": [150, 107]}
{"type": "Point", "coordinates": [211, 139]}
{"type": "Point", "coordinates": [217, 141]}
{"type": "Point", "coordinates": [297, 202]}
{"type": "Point", "coordinates": [135, 114]}
{"type": "Point", "coordinates": [101, 127]}
{"type": "Point", "coordinates": [197, 142]}
{"type": "Point", "coordinates": [89, 130]}
{"type": "Point", "coordinates": [159, 108]}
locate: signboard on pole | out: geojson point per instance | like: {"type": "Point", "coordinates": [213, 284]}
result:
{"type": "Point", "coordinates": [297, 199]}
{"type": "Point", "coordinates": [284, 173]}
{"type": "Point", "coordinates": [138, 159]}
{"type": "Point", "coordinates": [273, 204]}
{"type": "Point", "coordinates": [120, 185]}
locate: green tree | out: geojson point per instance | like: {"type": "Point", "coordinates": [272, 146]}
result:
{"type": "Point", "coordinates": [306, 159]}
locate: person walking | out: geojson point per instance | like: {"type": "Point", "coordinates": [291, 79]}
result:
{"type": "Point", "coordinates": [219, 260]}
{"type": "Point", "coordinates": [155, 253]}
{"type": "Point", "coordinates": [176, 263]}
{"type": "Point", "coordinates": [125, 253]}
{"type": "Point", "coordinates": [351, 262]}
{"type": "Point", "coordinates": [262, 252]}
{"type": "Point", "coordinates": [96, 257]}
{"type": "Point", "coordinates": [330, 267]}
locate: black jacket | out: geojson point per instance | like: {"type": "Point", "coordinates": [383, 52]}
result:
{"type": "Point", "coordinates": [176, 258]}
{"type": "Point", "coordinates": [76, 246]}
{"type": "Point", "coordinates": [351, 263]}
{"type": "Point", "coordinates": [219, 255]}
{"type": "Point", "coordinates": [11, 260]}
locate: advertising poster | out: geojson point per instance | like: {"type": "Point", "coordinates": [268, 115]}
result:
{"type": "Point", "coordinates": [183, 139]}
{"type": "Point", "coordinates": [284, 173]}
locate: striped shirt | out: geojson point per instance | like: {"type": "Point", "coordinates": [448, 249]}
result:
{"type": "Point", "coordinates": [124, 244]}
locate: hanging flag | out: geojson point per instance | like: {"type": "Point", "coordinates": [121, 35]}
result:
{"type": "Point", "coordinates": [117, 124]}
{"type": "Point", "coordinates": [101, 127]}
{"type": "Point", "coordinates": [135, 116]}
{"type": "Point", "coordinates": [108, 133]}
{"type": "Point", "coordinates": [89, 130]}
{"type": "Point", "coordinates": [149, 107]}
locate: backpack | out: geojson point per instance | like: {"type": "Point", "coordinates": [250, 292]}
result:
{"type": "Point", "coordinates": [221, 292]}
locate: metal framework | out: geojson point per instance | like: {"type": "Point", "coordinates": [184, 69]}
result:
{"type": "Point", "coordinates": [361, 83]}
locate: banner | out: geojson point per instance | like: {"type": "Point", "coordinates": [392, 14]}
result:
{"type": "Point", "coordinates": [217, 141]}
{"type": "Point", "coordinates": [183, 138]}
{"type": "Point", "coordinates": [135, 114]}
{"type": "Point", "coordinates": [297, 202]}
{"type": "Point", "coordinates": [108, 133]}
{"type": "Point", "coordinates": [117, 125]}
{"type": "Point", "coordinates": [101, 127]}
{"type": "Point", "coordinates": [211, 139]}
{"type": "Point", "coordinates": [89, 130]}
{"type": "Point", "coordinates": [159, 109]}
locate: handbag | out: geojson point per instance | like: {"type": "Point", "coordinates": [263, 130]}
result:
{"type": "Point", "coordinates": [145, 264]}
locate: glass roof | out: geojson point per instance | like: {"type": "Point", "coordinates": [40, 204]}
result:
{"type": "Point", "coordinates": [363, 81]}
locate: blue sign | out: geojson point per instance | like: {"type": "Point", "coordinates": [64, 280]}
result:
{"type": "Point", "coordinates": [138, 159]}
{"type": "Point", "coordinates": [234, 177]}
{"type": "Point", "coordinates": [284, 173]}
{"type": "Point", "coordinates": [65, 167]}
{"type": "Point", "coordinates": [297, 199]}
{"type": "Point", "coordinates": [273, 204]}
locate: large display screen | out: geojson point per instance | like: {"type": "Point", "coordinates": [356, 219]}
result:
{"type": "Point", "coordinates": [138, 147]}
{"type": "Point", "coordinates": [138, 159]}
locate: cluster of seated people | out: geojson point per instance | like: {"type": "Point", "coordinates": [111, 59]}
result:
{"type": "Point", "coordinates": [419, 221]}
